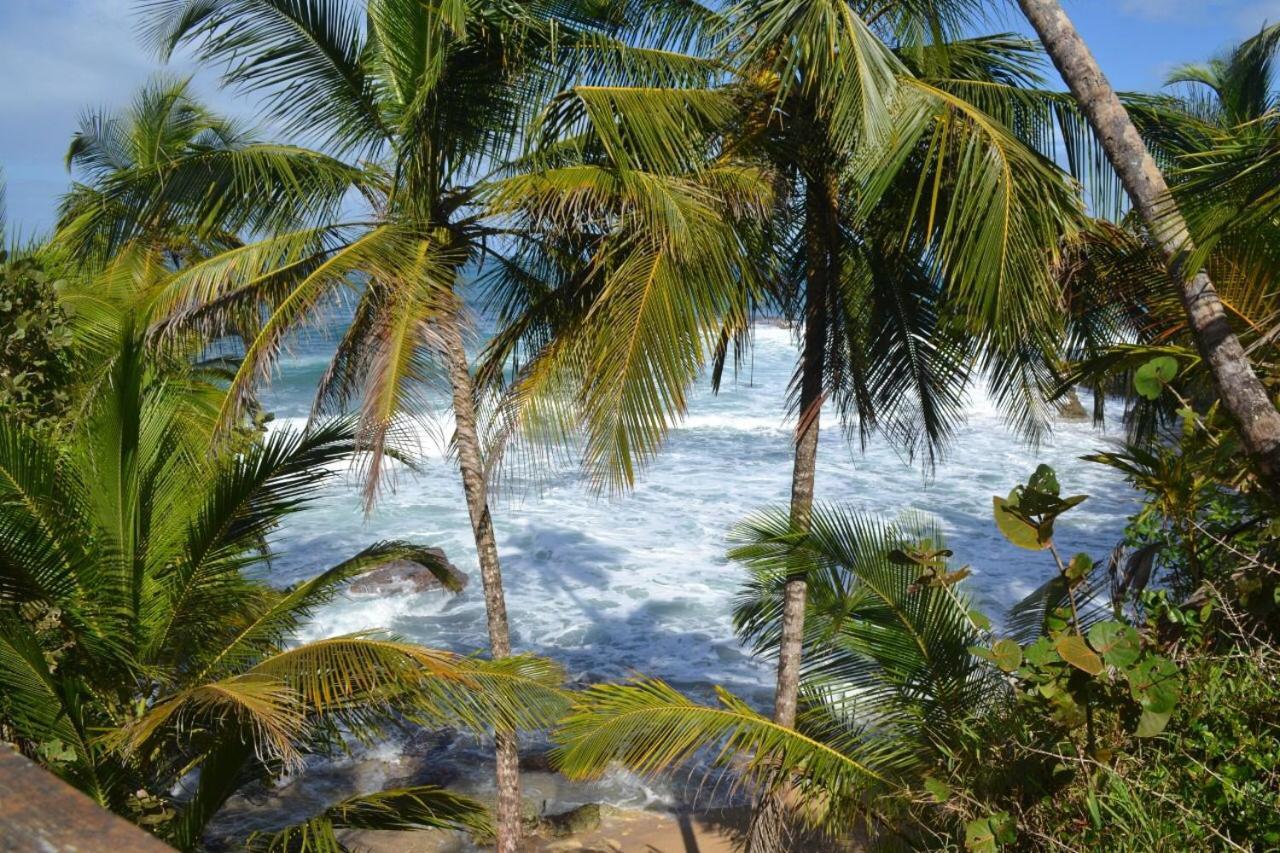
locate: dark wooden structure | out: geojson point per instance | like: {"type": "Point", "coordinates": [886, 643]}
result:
{"type": "Point", "coordinates": [40, 812]}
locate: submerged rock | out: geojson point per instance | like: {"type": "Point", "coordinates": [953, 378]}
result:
{"type": "Point", "coordinates": [1071, 409]}
{"type": "Point", "coordinates": [536, 762]}
{"type": "Point", "coordinates": [582, 819]}
{"type": "Point", "coordinates": [404, 576]}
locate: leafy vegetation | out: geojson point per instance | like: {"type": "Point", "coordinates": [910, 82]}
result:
{"type": "Point", "coordinates": [137, 646]}
{"type": "Point", "coordinates": [631, 183]}
{"type": "Point", "coordinates": [36, 356]}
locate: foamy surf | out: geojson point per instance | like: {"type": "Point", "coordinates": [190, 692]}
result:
{"type": "Point", "coordinates": [639, 584]}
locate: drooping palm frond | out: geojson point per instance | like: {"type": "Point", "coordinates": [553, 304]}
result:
{"type": "Point", "coordinates": [648, 303]}
{"type": "Point", "coordinates": [992, 214]}
{"type": "Point", "coordinates": [255, 187]}
{"type": "Point", "coordinates": [418, 807]}
{"type": "Point", "coordinates": [135, 644]}
{"type": "Point", "coordinates": [825, 53]}
{"type": "Point", "coordinates": [304, 57]}
{"type": "Point", "coordinates": [649, 727]}
{"type": "Point", "coordinates": [886, 630]}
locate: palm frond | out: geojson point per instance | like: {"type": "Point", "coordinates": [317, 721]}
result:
{"type": "Point", "coordinates": [418, 807]}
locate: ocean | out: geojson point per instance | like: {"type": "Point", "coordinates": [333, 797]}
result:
{"type": "Point", "coordinates": [614, 587]}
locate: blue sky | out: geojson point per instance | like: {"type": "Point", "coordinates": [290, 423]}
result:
{"type": "Point", "coordinates": [58, 57]}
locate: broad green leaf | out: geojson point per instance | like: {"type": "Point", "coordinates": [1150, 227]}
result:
{"type": "Point", "coordinates": [1044, 480]}
{"type": "Point", "coordinates": [1041, 652]}
{"type": "Point", "coordinates": [1079, 567]}
{"type": "Point", "coordinates": [980, 619]}
{"type": "Point", "coordinates": [1016, 529]}
{"type": "Point", "coordinates": [1149, 379]}
{"type": "Point", "coordinates": [938, 789]}
{"type": "Point", "coordinates": [1118, 643]}
{"type": "Point", "coordinates": [1075, 651]}
{"type": "Point", "coordinates": [1156, 684]}
{"type": "Point", "coordinates": [1007, 655]}
{"type": "Point", "coordinates": [979, 837]}
{"type": "Point", "coordinates": [1152, 723]}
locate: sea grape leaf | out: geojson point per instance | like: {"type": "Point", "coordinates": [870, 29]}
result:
{"type": "Point", "coordinates": [1079, 567]}
{"type": "Point", "coordinates": [1149, 379]}
{"type": "Point", "coordinates": [938, 789]}
{"type": "Point", "coordinates": [1156, 684]}
{"type": "Point", "coordinates": [1045, 481]}
{"type": "Point", "coordinates": [1007, 655]}
{"type": "Point", "coordinates": [1015, 528]}
{"type": "Point", "coordinates": [1075, 651]}
{"type": "Point", "coordinates": [1118, 643]}
{"type": "Point", "coordinates": [1041, 652]}
{"type": "Point", "coordinates": [979, 837]}
{"type": "Point", "coordinates": [1152, 723]}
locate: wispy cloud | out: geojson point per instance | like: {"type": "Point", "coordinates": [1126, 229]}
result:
{"type": "Point", "coordinates": [1246, 15]}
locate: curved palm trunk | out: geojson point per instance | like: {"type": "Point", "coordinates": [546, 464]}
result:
{"type": "Point", "coordinates": [471, 464]}
{"type": "Point", "coordinates": [768, 832]}
{"type": "Point", "coordinates": [1244, 396]}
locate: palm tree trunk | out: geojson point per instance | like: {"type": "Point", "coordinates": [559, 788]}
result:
{"type": "Point", "coordinates": [1244, 396]}
{"type": "Point", "coordinates": [471, 463]}
{"type": "Point", "coordinates": [768, 831]}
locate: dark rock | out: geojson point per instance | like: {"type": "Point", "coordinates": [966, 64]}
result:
{"type": "Point", "coordinates": [536, 762]}
{"type": "Point", "coordinates": [428, 743]}
{"type": "Point", "coordinates": [404, 576]}
{"type": "Point", "coordinates": [1071, 409]}
{"type": "Point", "coordinates": [582, 819]}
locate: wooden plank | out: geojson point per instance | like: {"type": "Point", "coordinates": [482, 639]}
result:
{"type": "Point", "coordinates": [40, 812]}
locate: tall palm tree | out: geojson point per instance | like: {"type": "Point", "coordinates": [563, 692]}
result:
{"type": "Point", "coordinates": [1244, 397]}
{"type": "Point", "coordinates": [136, 645]}
{"type": "Point", "coordinates": [910, 233]}
{"type": "Point", "coordinates": [412, 104]}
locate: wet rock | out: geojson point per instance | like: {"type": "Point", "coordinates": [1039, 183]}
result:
{"type": "Point", "coordinates": [536, 762]}
{"type": "Point", "coordinates": [428, 743]}
{"type": "Point", "coordinates": [404, 576]}
{"type": "Point", "coordinates": [575, 821]}
{"type": "Point", "coordinates": [1071, 409]}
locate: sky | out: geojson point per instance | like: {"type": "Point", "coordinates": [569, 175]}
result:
{"type": "Point", "coordinates": [59, 57]}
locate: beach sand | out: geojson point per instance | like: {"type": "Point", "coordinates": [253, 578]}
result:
{"type": "Point", "coordinates": [620, 831]}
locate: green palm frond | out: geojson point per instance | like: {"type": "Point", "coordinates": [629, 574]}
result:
{"type": "Point", "coordinates": [304, 57]}
{"type": "Point", "coordinates": [256, 187]}
{"type": "Point", "coordinates": [650, 728]}
{"type": "Point", "coordinates": [418, 807]}
{"type": "Point", "coordinates": [825, 53]}
{"type": "Point", "coordinates": [37, 507]}
{"type": "Point", "coordinates": [40, 705]}
{"type": "Point", "coordinates": [992, 214]}
{"type": "Point", "coordinates": [889, 634]}
{"type": "Point", "coordinates": [264, 708]}
{"type": "Point", "coordinates": [663, 129]}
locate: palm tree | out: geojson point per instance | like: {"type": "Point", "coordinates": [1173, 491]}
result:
{"type": "Point", "coordinates": [413, 105]}
{"type": "Point", "coordinates": [1243, 395]}
{"type": "Point", "coordinates": [889, 686]}
{"type": "Point", "coordinates": [168, 174]}
{"type": "Point", "coordinates": [897, 296]}
{"type": "Point", "coordinates": [138, 645]}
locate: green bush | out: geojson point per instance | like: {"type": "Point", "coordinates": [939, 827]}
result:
{"type": "Point", "coordinates": [35, 345]}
